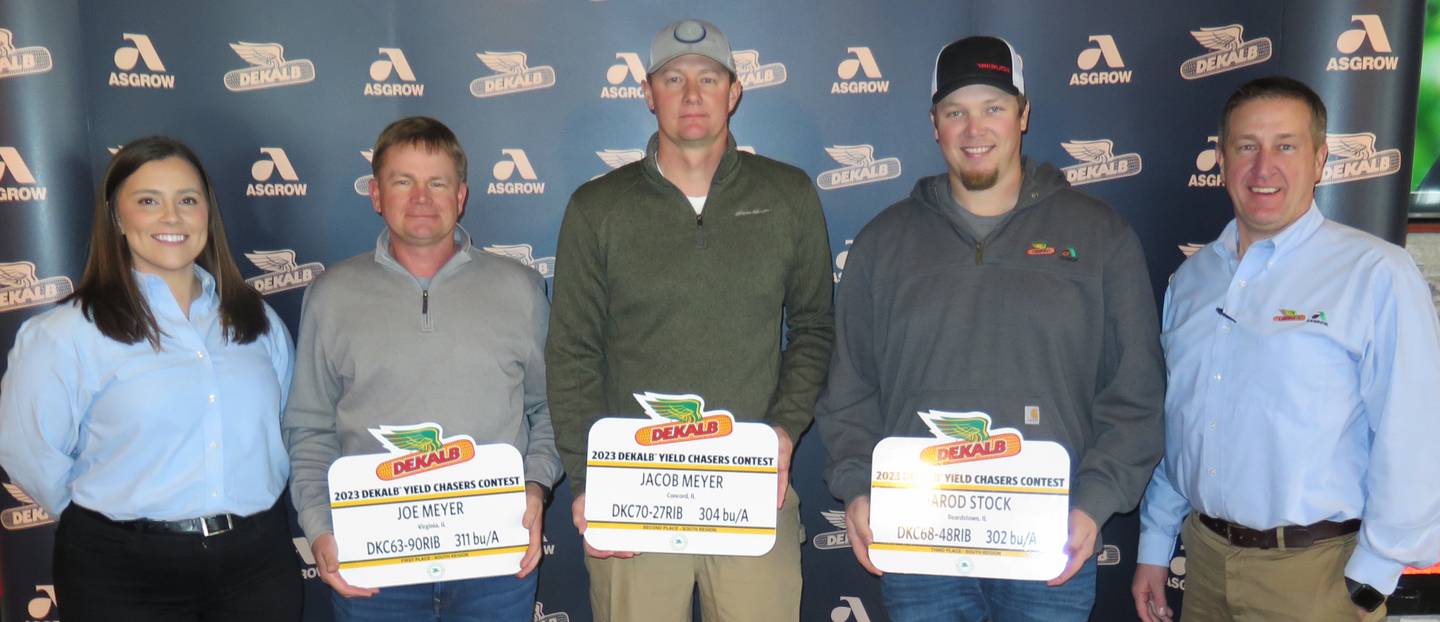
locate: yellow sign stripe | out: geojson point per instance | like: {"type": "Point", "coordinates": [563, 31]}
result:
{"type": "Point", "coordinates": [953, 550]}
{"type": "Point", "coordinates": [973, 487]}
{"type": "Point", "coordinates": [694, 528]}
{"type": "Point", "coordinates": [680, 467]}
{"type": "Point", "coordinates": [432, 557]}
{"type": "Point", "coordinates": [453, 494]}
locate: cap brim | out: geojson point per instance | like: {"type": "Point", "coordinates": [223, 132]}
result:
{"type": "Point", "coordinates": [1000, 82]}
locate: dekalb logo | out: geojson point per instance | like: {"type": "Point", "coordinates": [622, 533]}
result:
{"type": "Point", "coordinates": [512, 75]}
{"type": "Point", "coordinates": [423, 449]}
{"type": "Point", "coordinates": [1353, 157]}
{"type": "Point", "coordinates": [755, 75]}
{"type": "Point", "coordinates": [393, 64]}
{"type": "Point", "coordinates": [1206, 163]}
{"type": "Point", "coordinates": [1098, 162]}
{"type": "Point", "coordinates": [860, 61]}
{"type": "Point", "coordinates": [1350, 42]}
{"type": "Point", "coordinates": [1230, 52]}
{"type": "Point", "coordinates": [281, 271]}
{"type": "Point", "coordinates": [515, 161]}
{"type": "Point", "coordinates": [685, 419]}
{"type": "Point", "coordinates": [616, 158]}
{"type": "Point", "coordinates": [525, 254]}
{"type": "Point", "coordinates": [1090, 58]}
{"type": "Point", "coordinates": [128, 57]}
{"type": "Point", "coordinates": [859, 167]}
{"type": "Point", "coordinates": [541, 616]}
{"type": "Point", "coordinates": [362, 183]}
{"type": "Point", "coordinates": [274, 161]}
{"type": "Point", "coordinates": [1289, 315]}
{"type": "Point", "coordinates": [28, 514]}
{"type": "Point", "coordinates": [13, 169]}
{"type": "Point", "coordinates": [624, 78]}
{"type": "Point", "coordinates": [21, 61]}
{"type": "Point", "coordinates": [20, 289]}
{"type": "Point", "coordinates": [976, 440]}
{"type": "Point", "coordinates": [832, 539]}
{"type": "Point", "coordinates": [268, 69]}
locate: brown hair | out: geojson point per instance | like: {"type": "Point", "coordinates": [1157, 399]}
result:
{"type": "Point", "coordinates": [108, 294]}
{"type": "Point", "coordinates": [1278, 87]}
{"type": "Point", "coordinates": [424, 132]}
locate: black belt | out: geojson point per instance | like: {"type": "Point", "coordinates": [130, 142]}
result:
{"type": "Point", "coordinates": [1290, 536]}
{"type": "Point", "coordinates": [204, 526]}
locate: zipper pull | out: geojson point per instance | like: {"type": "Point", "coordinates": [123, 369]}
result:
{"type": "Point", "coordinates": [699, 231]}
{"type": "Point", "coordinates": [425, 324]}
{"type": "Point", "coordinates": [979, 253]}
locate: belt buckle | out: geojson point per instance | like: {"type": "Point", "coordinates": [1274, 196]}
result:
{"type": "Point", "coordinates": [205, 529]}
{"type": "Point", "coordinates": [1297, 537]}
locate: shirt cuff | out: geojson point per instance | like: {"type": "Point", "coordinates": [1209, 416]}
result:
{"type": "Point", "coordinates": [1373, 570]}
{"type": "Point", "coordinates": [1156, 549]}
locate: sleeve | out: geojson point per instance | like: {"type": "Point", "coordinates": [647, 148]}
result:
{"type": "Point", "coordinates": [809, 321]}
{"type": "Point", "coordinates": [42, 402]}
{"type": "Point", "coordinates": [308, 426]}
{"type": "Point", "coordinates": [848, 414]}
{"type": "Point", "coordinates": [1400, 524]}
{"type": "Point", "coordinates": [1164, 507]}
{"type": "Point", "coordinates": [542, 462]}
{"type": "Point", "coordinates": [1127, 424]}
{"type": "Point", "coordinates": [575, 348]}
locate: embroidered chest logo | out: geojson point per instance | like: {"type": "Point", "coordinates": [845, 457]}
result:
{"type": "Point", "coordinates": [1291, 315]}
{"type": "Point", "coordinates": [1041, 249]}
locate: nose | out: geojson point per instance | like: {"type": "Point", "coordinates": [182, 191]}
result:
{"type": "Point", "coordinates": [170, 212]}
{"type": "Point", "coordinates": [692, 91]}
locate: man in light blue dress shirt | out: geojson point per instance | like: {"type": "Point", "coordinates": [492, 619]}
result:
{"type": "Point", "coordinates": [1303, 359]}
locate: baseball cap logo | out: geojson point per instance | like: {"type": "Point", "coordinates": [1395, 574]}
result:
{"type": "Point", "coordinates": [1098, 162]}
{"type": "Point", "coordinates": [1104, 50]}
{"type": "Point", "coordinates": [859, 167]}
{"type": "Point", "coordinates": [20, 288]}
{"type": "Point", "coordinates": [629, 68]}
{"type": "Point", "coordinates": [274, 160]}
{"type": "Point", "coordinates": [14, 169]}
{"type": "Point", "coordinates": [860, 60]}
{"type": "Point", "coordinates": [514, 161]}
{"type": "Point", "coordinates": [268, 68]}
{"type": "Point", "coordinates": [362, 183]}
{"type": "Point", "coordinates": [21, 61]}
{"type": "Point", "coordinates": [525, 254]}
{"type": "Point", "coordinates": [756, 75]}
{"type": "Point", "coordinates": [140, 51]}
{"type": "Point", "coordinates": [1351, 41]}
{"type": "Point", "coordinates": [392, 62]}
{"type": "Point", "coordinates": [1353, 157]}
{"type": "Point", "coordinates": [512, 75]}
{"type": "Point", "coordinates": [1205, 163]}
{"type": "Point", "coordinates": [282, 273]}
{"type": "Point", "coordinates": [1229, 52]}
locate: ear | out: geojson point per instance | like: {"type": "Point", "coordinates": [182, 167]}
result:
{"type": "Point", "coordinates": [735, 90]}
{"type": "Point", "coordinates": [1025, 118]}
{"type": "Point", "coordinates": [375, 195]}
{"type": "Point", "coordinates": [461, 194]}
{"type": "Point", "coordinates": [649, 96]}
{"type": "Point", "coordinates": [934, 124]}
{"type": "Point", "coordinates": [1321, 155]}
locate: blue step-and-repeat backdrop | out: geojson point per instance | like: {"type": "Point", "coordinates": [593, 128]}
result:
{"type": "Point", "coordinates": [283, 100]}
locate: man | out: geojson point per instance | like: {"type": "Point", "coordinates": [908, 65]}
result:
{"type": "Point", "coordinates": [1303, 359]}
{"type": "Point", "coordinates": [674, 274]}
{"type": "Point", "coordinates": [956, 299]}
{"type": "Point", "coordinates": [426, 328]}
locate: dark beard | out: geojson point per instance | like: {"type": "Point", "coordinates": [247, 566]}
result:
{"type": "Point", "coordinates": [983, 180]}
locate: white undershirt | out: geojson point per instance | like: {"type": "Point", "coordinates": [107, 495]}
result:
{"type": "Point", "coordinates": [697, 203]}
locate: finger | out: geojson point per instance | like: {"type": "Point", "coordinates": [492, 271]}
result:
{"type": "Point", "coordinates": [780, 500]}
{"type": "Point", "coordinates": [1072, 567]}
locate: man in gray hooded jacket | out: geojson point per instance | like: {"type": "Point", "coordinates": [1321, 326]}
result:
{"type": "Point", "coordinates": [996, 288]}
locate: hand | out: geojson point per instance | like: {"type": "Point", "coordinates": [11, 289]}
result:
{"type": "Point", "coordinates": [327, 565]}
{"type": "Point", "coordinates": [577, 516]}
{"type": "Point", "coordinates": [1079, 547]}
{"type": "Point", "coordinates": [534, 520]}
{"type": "Point", "coordinates": [782, 465]}
{"type": "Point", "coordinates": [857, 528]}
{"type": "Point", "coordinates": [1148, 588]}
{"type": "Point", "coordinates": [1360, 611]}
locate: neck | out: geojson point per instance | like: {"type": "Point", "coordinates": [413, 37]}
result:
{"type": "Point", "coordinates": [185, 287]}
{"type": "Point", "coordinates": [993, 201]}
{"type": "Point", "coordinates": [423, 261]}
{"type": "Point", "coordinates": [691, 167]}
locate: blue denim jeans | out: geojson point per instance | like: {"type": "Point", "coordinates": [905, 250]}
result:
{"type": "Point", "coordinates": [928, 598]}
{"type": "Point", "coordinates": [492, 599]}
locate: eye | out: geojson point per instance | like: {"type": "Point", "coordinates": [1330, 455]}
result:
{"type": "Point", "coordinates": [1287, 147]}
{"type": "Point", "coordinates": [439, 184]}
{"type": "Point", "coordinates": [994, 109]}
{"type": "Point", "coordinates": [147, 201]}
{"type": "Point", "coordinates": [401, 182]}
{"type": "Point", "coordinates": [189, 201]}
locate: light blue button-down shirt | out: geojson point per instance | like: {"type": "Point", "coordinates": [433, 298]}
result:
{"type": "Point", "coordinates": [191, 430]}
{"type": "Point", "coordinates": [1304, 385]}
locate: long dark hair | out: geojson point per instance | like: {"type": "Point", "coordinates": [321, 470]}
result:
{"type": "Point", "coordinates": [108, 294]}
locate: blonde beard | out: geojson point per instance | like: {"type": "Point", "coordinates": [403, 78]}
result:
{"type": "Point", "coordinates": [984, 180]}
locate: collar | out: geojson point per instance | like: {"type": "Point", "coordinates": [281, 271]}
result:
{"type": "Point", "coordinates": [155, 289]}
{"type": "Point", "coordinates": [461, 256]}
{"type": "Point", "coordinates": [729, 162]}
{"type": "Point", "coordinates": [1287, 240]}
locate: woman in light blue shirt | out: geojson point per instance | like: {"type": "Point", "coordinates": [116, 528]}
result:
{"type": "Point", "coordinates": [144, 411]}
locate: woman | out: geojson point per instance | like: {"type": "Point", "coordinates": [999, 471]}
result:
{"type": "Point", "coordinates": [144, 411]}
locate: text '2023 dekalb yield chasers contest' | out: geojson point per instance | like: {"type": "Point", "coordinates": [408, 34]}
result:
{"type": "Point", "coordinates": [685, 480]}
{"type": "Point", "coordinates": [431, 508]}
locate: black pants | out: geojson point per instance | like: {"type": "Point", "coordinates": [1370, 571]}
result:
{"type": "Point", "coordinates": [105, 571]}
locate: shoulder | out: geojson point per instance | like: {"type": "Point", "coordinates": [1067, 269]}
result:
{"type": "Point", "coordinates": [603, 191]}
{"type": "Point", "coordinates": [790, 178]}
{"type": "Point", "coordinates": [507, 271]}
{"type": "Point", "coordinates": [65, 323]}
{"type": "Point", "coordinates": [341, 275]}
{"type": "Point", "coordinates": [1360, 250]}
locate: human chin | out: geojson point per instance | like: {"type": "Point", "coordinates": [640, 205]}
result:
{"type": "Point", "coordinates": [979, 180]}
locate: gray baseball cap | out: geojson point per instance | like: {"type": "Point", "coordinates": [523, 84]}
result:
{"type": "Point", "coordinates": [690, 36]}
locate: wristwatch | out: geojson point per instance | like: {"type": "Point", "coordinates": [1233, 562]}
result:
{"type": "Point", "coordinates": [1364, 596]}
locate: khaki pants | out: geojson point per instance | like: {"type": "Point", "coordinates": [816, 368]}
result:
{"type": "Point", "coordinates": [1225, 582]}
{"type": "Point", "coordinates": [656, 587]}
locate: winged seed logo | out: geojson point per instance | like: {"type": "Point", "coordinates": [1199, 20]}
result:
{"type": "Point", "coordinates": [28, 514]}
{"type": "Point", "coordinates": [685, 419]}
{"type": "Point", "coordinates": [268, 69]}
{"type": "Point", "coordinates": [282, 273]}
{"type": "Point", "coordinates": [859, 167]}
{"type": "Point", "coordinates": [525, 254]}
{"type": "Point", "coordinates": [21, 61]}
{"type": "Point", "coordinates": [832, 539]}
{"type": "Point", "coordinates": [20, 288]}
{"type": "Point", "coordinates": [1353, 157]}
{"type": "Point", "coordinates": [974, 440]}
{"type": "Point", "coordinates": [512, 75]}
{"type": "Point", "coordinates": [755, 75]}
{"type": "Point", "coordinates": [1230, 52]}
{"type": "Point", "coordinates": [421, 448]}
{"type": "Point", "coordinates": [1098, 162]}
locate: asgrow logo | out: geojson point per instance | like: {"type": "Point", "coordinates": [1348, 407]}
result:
{"type": "Point", "coordinates": [362, 183]}
{"type": "Point", "coordinates": [828, 540]}
{"type": "Point", "coordinates": [514, 161]}
{"type": "Point", "coordinates": [43, 604]}
{"type": "Point", "coordinates": [282, 273]}
{"type": "Point", "coordinates": [129, 57]}
{"type": "Point", "coordinates": [17, 183]}
{"type": "Point", "coordinates": [1349, 43]}
{"type": "Point", "coordinates": [624, 78]}
{"type": "Point", "coordinates": [1090, 58]}
{"type": "Point", "coordinates": [1098, 162]}
{"type": "Point", "coordinates": [851, 609]}
{"type": "Point", "coordinates": [1353, 157]}
{"type": "Point", "coordinates": [1207, 175]}
{"type": "Point", "coordinates": [268, 68]}
{"type": "Point", "coordinates": [28, 514]}
{"type": "Point", "coordinates": [273, 160]}
{"type": "Point", "coordinates": [859, 62]}
{"type": "Point", "coordinates": [512, 75]}
{"type": "Point", "coordinates": [859, 167]}
{"type": "Point", "coordinates": [20, 288]}
{"type": "Point", "coordinates": [756, 75]}
{"type": "Point", "coordinates": [1229, 52]}
{"type": "Point", "coordinates": [525, 254]}
{"type": "Point", "coordinates": [21, 61]}
{"type": "Point", "coordinates": [393, 64]}
{"type": "Point", "coordinates": [840, 260]}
